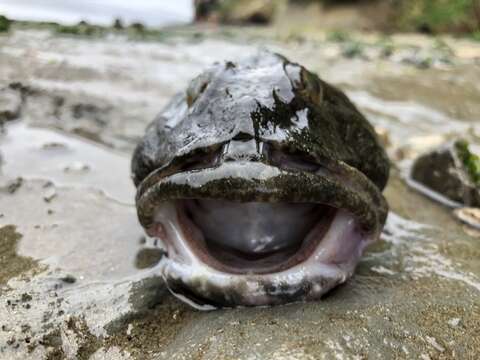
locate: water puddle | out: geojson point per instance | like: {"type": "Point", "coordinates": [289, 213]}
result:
{"type": "Point", "coordinates": [36, 153]}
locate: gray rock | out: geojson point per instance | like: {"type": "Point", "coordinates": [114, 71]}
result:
{"type": "Point", "coordinates": [449, 171]}
{"type": "Point", "coordinates": [469, 216]}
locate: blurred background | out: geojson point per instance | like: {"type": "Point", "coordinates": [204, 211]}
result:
{"type": "Point", "coordinates": [430, 16]}
{"type": "Point", "coordinates": [151, 13]}
{"type": "Point", "coordinates": [144, 52]}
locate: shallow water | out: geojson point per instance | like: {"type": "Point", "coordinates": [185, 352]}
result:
{"type": "Point", "coordinates": [65, 160]}
{"type": "Point", "coordinates": [75, 214]}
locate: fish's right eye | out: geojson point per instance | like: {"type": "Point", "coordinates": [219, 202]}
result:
{"type": "Point", "coordinates": [292, 159]}
{"type": "Point", "coordinates": [201, 159]}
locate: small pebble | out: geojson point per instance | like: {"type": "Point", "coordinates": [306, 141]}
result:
{"type": "Point", "coordinates": [69, 279]}
{"type": "Point", "coordinates": [469, 216]}
{"type": "Point", "coordinates": [454, 322]}
{"type": "Point", "coordinates": [53, 145]}
{"type": "Point", "coordinates": [76, 167]}
{"type": "Point", "coordinates": [50, 193]}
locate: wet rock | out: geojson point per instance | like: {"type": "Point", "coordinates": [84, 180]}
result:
{"type": "Point", "coordinates": [469, 216]}
{"type": "Point", "coordinates": [54, 146]}
{"type": "Point", "coordinates": [10, 104]}
{"type": "Point", "coordinates": [77, 167]}
{"type": "Point", "coordinates": [68, 279]}
{"type": "Point", "coordinates": [353, 50]}
{"type": "Point", "coordinates": [90, 111]}
{"type": "Point", "coordinates": [437, 56]}
{"type": "Point", "coordinates": [148, 257]}
{"type": "Point", "coordinates": [89, 134]}
{"type": "Point", "coordinates": [418, 145]}
{"type": "Point", "coordinates": [85, 115]}
{"type": "Point", "coordinates": [24, 151]}
{"type": "Point", "coordinates": [50, 193]}
{"type": "Point", "coordinates": [39, 104]}
{"type": "Point", "coordinates": [451, 171]}
{"type": "Point", "coordinates": [4, 23]}
{"type": "Point", "coordinates": [13, 185]}
{"type": "Point", "coordinates": [236, 11]}
{"type": "Point", "coordinates": [418, 60]}
{"type": "Point", "coordinates": [49, 302]}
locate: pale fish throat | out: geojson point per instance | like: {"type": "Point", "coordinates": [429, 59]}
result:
{"type": "Point", "coordinates": [226, 253]}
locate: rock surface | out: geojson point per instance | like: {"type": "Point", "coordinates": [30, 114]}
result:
{"type": "Point", "coordinates": [451, 171]}
{"type": "Point", "coordinates": [236, 12]}
{"type": "Point", "coordinates": [469, 216]}
{"type": "Point", "coordinates": [10, 104]}
{"type": "Point", "coordinates": [76, 281]}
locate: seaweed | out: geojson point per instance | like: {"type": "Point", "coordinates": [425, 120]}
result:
{"type": "Point", "coordinates": [470, 161]}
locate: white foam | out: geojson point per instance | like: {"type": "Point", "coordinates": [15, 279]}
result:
{"type": "Point", "coordinates": [421, 256]}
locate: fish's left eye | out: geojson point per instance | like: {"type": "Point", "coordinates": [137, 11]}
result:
{"type": "Point", "coordinates": [292, 159]}
{"type": "Point", "coordinates": [201, 159]}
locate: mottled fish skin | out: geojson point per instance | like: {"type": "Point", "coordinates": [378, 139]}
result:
{"type": "Point", "coordinates": [263, 129]}
{"type": "Point", "coordinates": [269, 99]}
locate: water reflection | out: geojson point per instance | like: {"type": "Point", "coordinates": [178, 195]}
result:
{"type": "Point", "coordinates": [35, 153]}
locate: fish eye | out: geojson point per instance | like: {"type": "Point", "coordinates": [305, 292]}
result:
{"type": "Point", "coordinates": [288, 158]}
{"type": "Point", "coordinates": [200, 159]}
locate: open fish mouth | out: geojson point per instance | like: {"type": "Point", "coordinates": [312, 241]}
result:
{"type": "Point", "coordinates": [241, 234]}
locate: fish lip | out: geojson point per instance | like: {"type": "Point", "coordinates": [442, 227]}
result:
{"type": "Point", "coordinates": [207, 287]}
{"type": "Point", "coordinates": [340, 186]}
{"type": "Point", "coordinates": [253, 291]}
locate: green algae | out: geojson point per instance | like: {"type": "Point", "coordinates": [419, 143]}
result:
{"type": "Point", "coordinates": [12, 264]}
{"type": "Point", "coordinates": [470, 160]}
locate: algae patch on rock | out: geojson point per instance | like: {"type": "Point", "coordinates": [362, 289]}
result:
{"type": "Point", "coordinates": [12, 264]}
{"type": "Point", "coordinates": [452, 171]}
{"type": "Point", "coordinates": [470, 160]}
